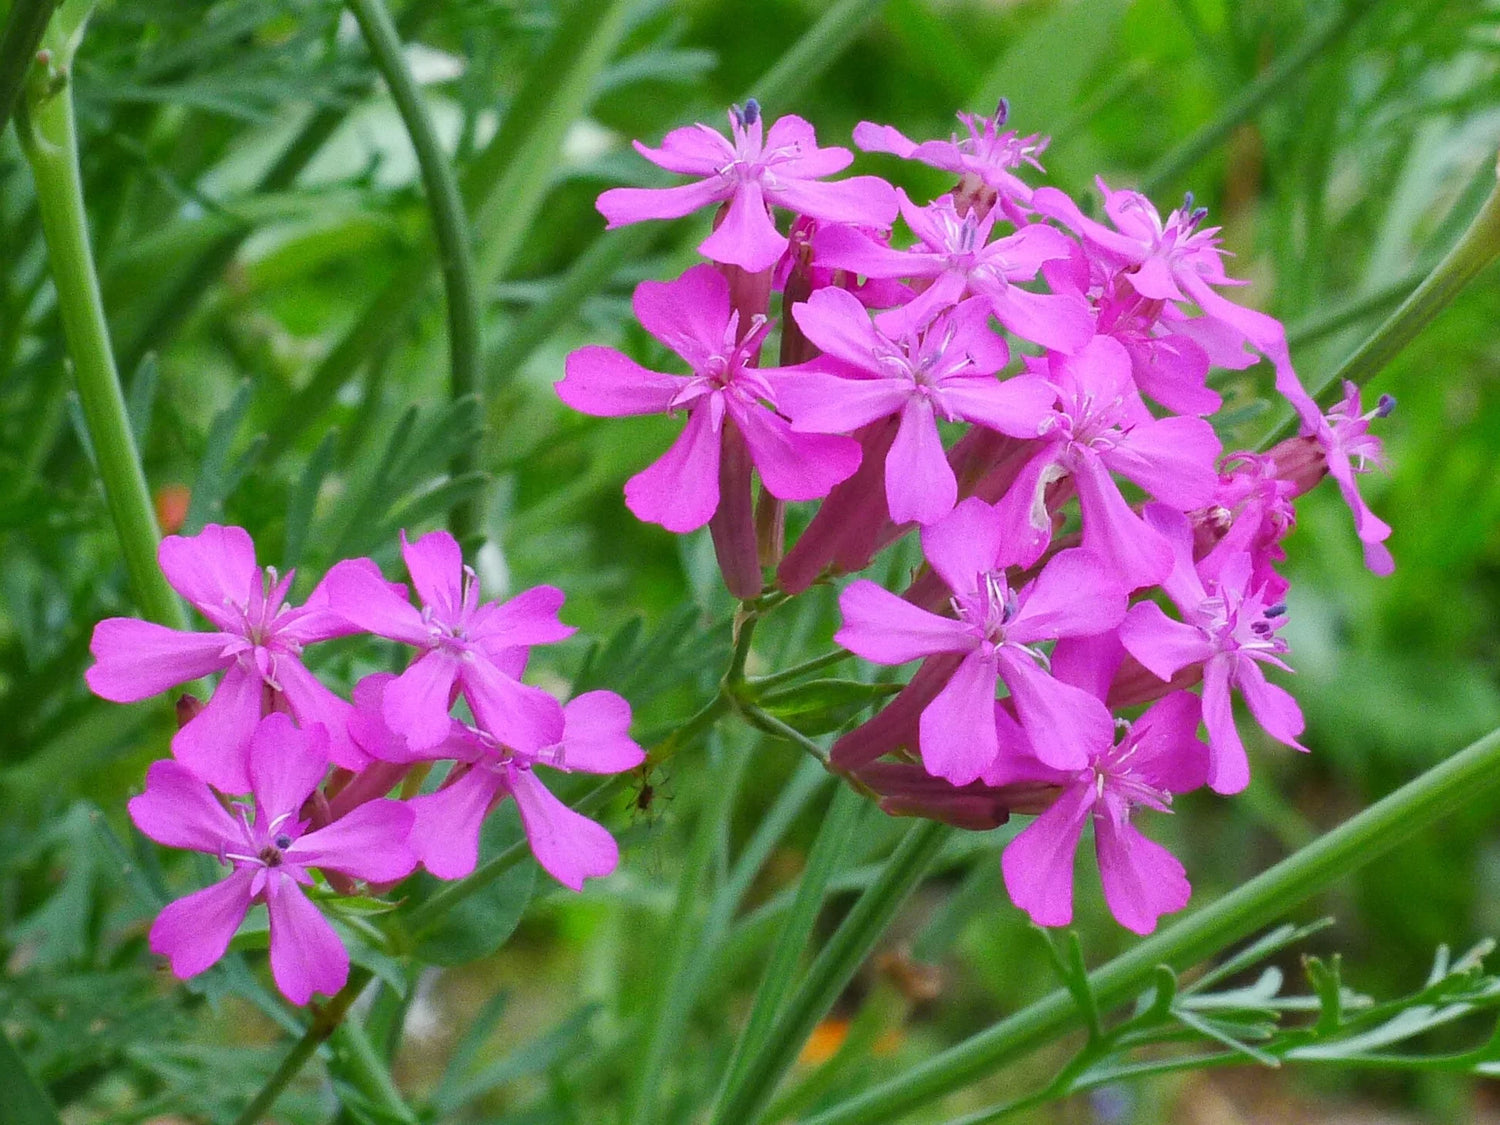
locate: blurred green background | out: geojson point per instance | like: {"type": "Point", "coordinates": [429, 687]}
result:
{"type": "Point", "coordinates": [269, 279]}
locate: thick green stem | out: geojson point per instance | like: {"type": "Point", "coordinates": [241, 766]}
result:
{"type": "Point", "coordinates": [450, 222]}
{"type": "Point", "coordinates": [1476, 248]}
{"type": "Point", "coordinates": [18, 45]}
{"type": "Point", "coordinates": [50, 141]}
{"type": "Point", "coordinates": [1417, 806]}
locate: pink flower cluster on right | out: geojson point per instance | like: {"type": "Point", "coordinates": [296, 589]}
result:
{"type": "Point", "coordinates": [1060, 356]}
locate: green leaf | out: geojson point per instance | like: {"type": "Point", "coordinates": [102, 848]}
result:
{"type": "Point", "coordinates": [218, 475]}
{"type": "Point", "coordinates": [819, 706]}
{"type": "Point", "coordinates": [481, 923]}
{"type": "Point", "coordinates": [25, 1101]}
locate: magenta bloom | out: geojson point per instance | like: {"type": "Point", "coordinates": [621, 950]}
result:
{"type": "Point", "coordinates": [998, 631]}
{"type": "Point", "coordinates": [989, 154]}
{"type": "Point", "coordinates": [956, 253]}
{"type": "Point", "coordinates": [692, 316]}
{"type": "Point", "coordinates": [478, 650]}
{"type": "Point", "coordinates": [258, 647]}
{"type": "Point", "coordinates": [1350, 448]}
{"type": "Point", "coordinates": [568, 845]}
{"type": "Point", "coordinates": [1156, 756]}
{"type": "Point", "coordinates": [270, 852]}
{"type": "Point", "coordinates": [1100, 426]}
{"type": "Point", "coordinates": [1229, 626]}
{"type": "Point", "coordinates": [784, 166]}
{"type": "Point", "coordinates": [1180, 260]}
{"type": "Point", "coordinates": [946, 371]}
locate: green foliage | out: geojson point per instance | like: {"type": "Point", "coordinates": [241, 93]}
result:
{"type": "Point", "coordinates": [272, 295]}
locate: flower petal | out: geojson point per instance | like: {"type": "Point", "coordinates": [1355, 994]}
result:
{"type": "Point", "coordinates": [688, 314]}
{"type": "Point", "coordinates": [306, 954]}
{"type": "Point", "coordinates": [286, 765]}
{"type": "Point", "coordinates": [605, 383]}
{"type": "Point", "coordinates": [1228, 765]}
{"type": "Point", "coordinates": [957, 730]}
{"type": "Point", "coordinates": [417, 703]}
{"type": "Point", "coordinates": [196, 930]}
{"type": "Point", "coordinates": [919, 483]}
{"type": "Point", "coordinates": [436, 565]}
{"type": "Point", "coordinates": [866, 201]}
{"type": "Point", "coordinates": [367, 600]}
{"type": "Point", "coordinates": [747, 237]}
{"type": "Point", "coordinates": [516, 714]}
{"type": "Point", "coordinates": [445, 831]}
{"type": "Point", "coordinates": [964, 545]}
{"type": "Point", "coordinates": [569, 846]}
{"type": "Point", "coordinates": [680, 490]}
{"type": "Point", "coordinates": [1272, 705]}
{"type": "Point", "coordinates": [1076, 594]}
{"type": "Point", "coordinates": [596, 735]}
{"type": "Point", "coordinates": [211, 568]}
{"type": "Point", "coordinates": [625, 205]}
{"type": "Point", "coordinates": [1142, 880]}
{"type": "Point", "coordinates": [312, 704]}
{"type": "Point", "coordinates": [180, 811]}
{"type": "Point", "coordinates": [215, 743]}
{"type": "Point", "coordinates": [881, 627]}
{"type": "Point", "coordinates": [369, 842]}
{"type": "Point", "coordinates": [1164, 646]}
{"type": "Point", "coordinates": [794, 466]}
{"type": "Point", "coordinates": [1038, 864]}
{"type": "Point", "coordinates": [1067, 727]}
{"type": "Point", "coordinates": [529, 618]}
{"type": "Point", "coordinates": [139, 659]}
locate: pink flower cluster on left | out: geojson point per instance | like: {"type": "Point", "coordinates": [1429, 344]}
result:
{"type": "Point", "coordinates": [277, 776]}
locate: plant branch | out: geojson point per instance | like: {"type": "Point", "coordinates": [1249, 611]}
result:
{"type": "Point", "coordinates": [49, 138]}
{"type": "Point", "coordinates": [1419, 805]}
{"type": "Point", "coordinates": [18, 46]}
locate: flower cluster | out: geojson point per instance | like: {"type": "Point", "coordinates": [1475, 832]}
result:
{"type": "Point", "coordinates": [277, 776]}
{"type": "Point", "coordinates": [992, 380]}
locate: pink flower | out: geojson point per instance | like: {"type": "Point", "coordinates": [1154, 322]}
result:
{"type": "Point", "coordinates": [693, 317]}
{"type": "Point", "coordinates": [1179, 260]}
{"type": "Point", "coordinates": [258, 647]}
{"type": "Point", "coordinates": [783, 167]}
{"type": "Point", "coordinates": [956, 253]}
{"type": "Point", "coordinates": [946, 371]}
{"type": "Point", "coordinates": [1229, 627]}
{"type": "Point", "coordinates": [270, 852]}
{"type": "Point", "coordinates": [478, 650]}
{"type": "Point", "coordinates": [1344, 447]}
{"type": "Point", "coordinates": [998, 630]}
{"type": "Point", "coordinates": [989, 154]}
{"type": "Point", "coordinates": [1157, 756]}
{"type": "Point", "coordinates": [1100, 426]}
{"type": "Point", "coordinates": [567, 844]}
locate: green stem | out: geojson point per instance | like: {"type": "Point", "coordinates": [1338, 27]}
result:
{"type": "Point", "coordinates": [325, 1022]}
{"type": "Point", "coordinates": [450, 223]}
{"type": "Point", "coordinates": [762, 684]}
{"type": "Point", "coordinates": [1475, 249]}
{"type": "Point", "coordinates": [1249, 100]}
{"type": "Point", "coordinates": [18, 45]}
{"type": "Point", "coordinates": [770, 724]}
{"type": "Point", "coordinates": [1353, 311]}
{"type": "Point", "coordinates": [834, 967]}
{"type": "Point", "coordinates": [1420, 804]}
{"type": "Point", "coordinates": [49, 139]}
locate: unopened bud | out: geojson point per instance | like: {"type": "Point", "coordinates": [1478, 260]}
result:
{"type": "Point", "coordinates": [189, 707]}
